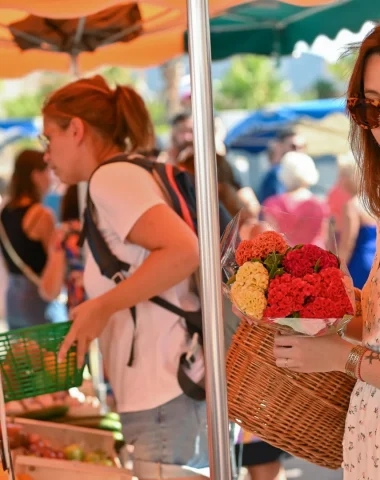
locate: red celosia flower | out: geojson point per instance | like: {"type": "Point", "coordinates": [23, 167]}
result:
{"type": "Point", "coordinates": [330, 296]}
{"type": "Point", "coordinates": [322, 307]}
{"type": "Point", "coordinates": [304, 260]}
{"type": "Point", "coordinates": [286, 295]}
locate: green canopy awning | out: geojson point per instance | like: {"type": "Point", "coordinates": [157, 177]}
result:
{"type": "Point", "coordinates": [268, 27]}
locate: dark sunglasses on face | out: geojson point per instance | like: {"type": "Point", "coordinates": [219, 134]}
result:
{"type": "Point", "coordinates": [44, 141]}
{"type": "Point", "coordinates": [365, 112]}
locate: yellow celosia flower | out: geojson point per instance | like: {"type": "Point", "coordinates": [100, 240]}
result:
{"type": "Point", "coordinates": [253, 274]}
{"type": "Point", "coordinates": [250, 300]}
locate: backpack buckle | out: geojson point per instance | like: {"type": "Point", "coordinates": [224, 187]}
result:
{"type": "Point", "coordinates": [193, 350]}
{"type": "Point", "coordinates": [118, 277]}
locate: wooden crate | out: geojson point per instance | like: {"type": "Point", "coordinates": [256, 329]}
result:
{"type": "Point", "coordinates": [61, 435]}
{"type": "Point", "coordinates": [47, 469]}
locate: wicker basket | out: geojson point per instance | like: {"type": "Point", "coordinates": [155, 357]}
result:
{"type": "Point", "coordinates": [302, 414]}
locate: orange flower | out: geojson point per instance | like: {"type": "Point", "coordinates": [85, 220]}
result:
{"type": "Point", "coordinates": [260, 247]}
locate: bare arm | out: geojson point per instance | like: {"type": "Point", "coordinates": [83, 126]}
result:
{"type": "Point", "coordinates": [174, 257]}
{"type": "Point", "coordinates": [354, 330]}
{"type": "Point", "coordinates": [54, 272]}
{"type": "Point", "coordinates": [350, 232]}
{"type": "Point", "coordinates": [38, 224]}
{"type": "Point", "coordinates": [247, 196]}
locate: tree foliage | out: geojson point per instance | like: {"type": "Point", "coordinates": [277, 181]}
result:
{"type": "Point", "coordinates": [251, 83]}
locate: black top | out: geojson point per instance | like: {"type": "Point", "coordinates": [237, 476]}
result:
{"type": "Point", "coordinates": [30, 251]}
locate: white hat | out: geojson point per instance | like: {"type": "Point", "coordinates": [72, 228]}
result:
{"type": "Point", "coordinates": [298, 170]}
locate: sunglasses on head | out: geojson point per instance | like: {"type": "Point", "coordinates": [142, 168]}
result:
{"type": "Point", "coordinates": [44, 142]}
{"type": "Point", "coordinates": [365, 112]}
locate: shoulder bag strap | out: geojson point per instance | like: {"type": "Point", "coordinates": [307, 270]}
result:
{"type": "Point", "coordinates": [25, 269]}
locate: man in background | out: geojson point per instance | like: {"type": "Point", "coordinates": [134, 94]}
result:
{"type": "Point", "coordinates": [286, 141]}
{"type": "Point", "coordinates": [181, 137]}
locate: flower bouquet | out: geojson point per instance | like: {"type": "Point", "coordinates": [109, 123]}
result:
{"type": "Point", "coordinates": [304, 288]}
{"type": "Point", "coordinates": [298, 289]}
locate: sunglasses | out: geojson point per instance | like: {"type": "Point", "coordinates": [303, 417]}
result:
{"type": "Point", "coordinates": [44, 142]}
{"type": "Point", "coordinates": [365, 112]}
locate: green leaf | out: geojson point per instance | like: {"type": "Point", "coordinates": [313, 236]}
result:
{"type": "Point", "coordinates": [273, 271]}
{"type": "Point", "coordinates": [279, 272]}
{"type": "Point", "coordinates": [317, 266]}
{"type": "Point", "coordinates": [231, 280]}
{"type": "Point", "coordinates": [294, 315]}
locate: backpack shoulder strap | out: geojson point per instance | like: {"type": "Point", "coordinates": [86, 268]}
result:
{"type": "Point", "coordinates": [109, 265]}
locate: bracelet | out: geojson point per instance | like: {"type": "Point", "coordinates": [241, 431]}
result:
{"type": "Point", "coordinates": [360, 365]}
{"type": "Point", "coordinates": [353, 360]}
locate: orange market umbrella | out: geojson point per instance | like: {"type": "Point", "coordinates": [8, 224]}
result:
{"type": "Point", "coordinates": [46, 34]}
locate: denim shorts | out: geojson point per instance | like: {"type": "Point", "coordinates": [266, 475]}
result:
{"type": "Point", "coordinates": [167, 437]}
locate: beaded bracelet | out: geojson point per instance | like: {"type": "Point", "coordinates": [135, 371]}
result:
{"type": "Point", "coordinates": [354, 359]}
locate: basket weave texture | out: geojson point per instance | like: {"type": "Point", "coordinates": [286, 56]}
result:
{"type": "Point", "coordinates": [302, 414]}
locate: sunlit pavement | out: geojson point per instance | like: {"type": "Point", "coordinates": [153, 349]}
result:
{"type": "Point", "coordinates": [299, 470]}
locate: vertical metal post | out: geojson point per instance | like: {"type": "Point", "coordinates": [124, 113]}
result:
{"type": "Point", "coordinates": [208, 221]}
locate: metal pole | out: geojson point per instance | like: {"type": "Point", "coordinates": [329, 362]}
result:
{"type": "Point", "coordinates": [208, 221]}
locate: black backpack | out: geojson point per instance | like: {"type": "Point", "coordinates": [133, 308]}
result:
{"type": "Point", "coordinates": [179, 190]}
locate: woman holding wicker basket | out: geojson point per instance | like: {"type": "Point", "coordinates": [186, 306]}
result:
{"type": "Point", "coordinates": [332, 353]}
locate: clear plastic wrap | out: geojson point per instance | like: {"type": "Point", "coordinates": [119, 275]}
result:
{"type": "Point", "coordinates": [301, 288]}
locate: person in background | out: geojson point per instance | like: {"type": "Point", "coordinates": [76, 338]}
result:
{"type": "Point", "coordinates": [262, 460]}
{"type": "Point", "coordinates": [287, 141]}
{"type": "Point", "coordinates": [338, 196]}
{"type": "Point", "coordinates": [181, 137]}
{"type": "Point", "coordinates": [65, 263]}
{"type": "Point", "coordinates": [167, 428]}
{"type": "Point", "coordinates": [298, 213]}
{"type": "Point", "coordinates": [357, 246]}
{"type": "Point", "coordinates": [29, 227]}
{"type": "Point", "coordinates": [231, 194]}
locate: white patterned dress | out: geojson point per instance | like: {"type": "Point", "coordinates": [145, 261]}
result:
{"type": "Point", "coordinates": [361, 446]}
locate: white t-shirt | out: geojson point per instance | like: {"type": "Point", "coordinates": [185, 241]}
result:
{"type": "Point", "coordinates": [122, 193]}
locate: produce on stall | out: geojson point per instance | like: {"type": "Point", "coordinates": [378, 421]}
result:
{"type": "Point", "coordinates": [44, 448]}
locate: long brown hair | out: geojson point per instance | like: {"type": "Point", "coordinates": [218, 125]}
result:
{"type": "Point", "coordinates": [70, 204]}
{"type": "Point", "coordinates": [119, 115]}
{"type": "Point", "coordinates": [21, 183]}
{"type": "Point", "coordinates": [363, 144]}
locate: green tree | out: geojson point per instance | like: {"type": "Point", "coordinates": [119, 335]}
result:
{"type": "Point", "coordinates": [29, 104]}
{"type": "Point", "coordinates": [322, 88]}
{"type": "Point", "coordinates": [118, 75]}
{"type": "Point", "coordinates": [251, 82]}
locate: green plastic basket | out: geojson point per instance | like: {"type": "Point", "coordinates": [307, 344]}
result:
{"type": "Point", "coordinates": [28, 362]}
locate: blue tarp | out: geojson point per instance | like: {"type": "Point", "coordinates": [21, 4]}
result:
{"type": "Point", "coordinates": [254, 132]}
{"type": "Point", "coordinates": [13, 129]}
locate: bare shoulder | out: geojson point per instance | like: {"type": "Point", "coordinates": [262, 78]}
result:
{"type": "Point", "coordinates": [39, 222]}
{"type": "Point", "coordinates": [352, 206]}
